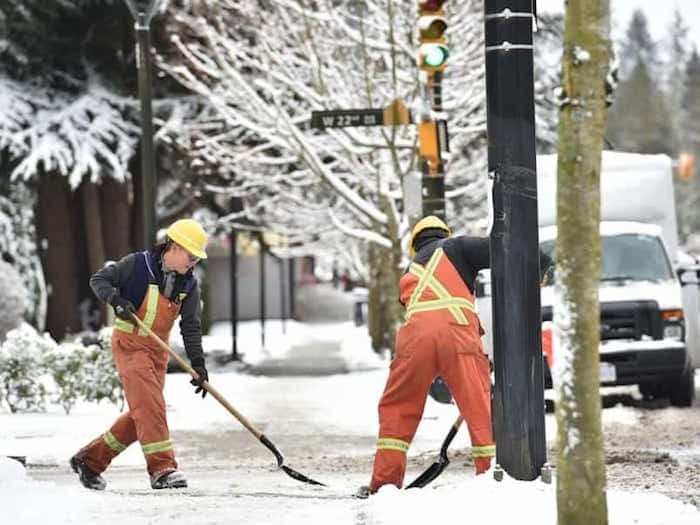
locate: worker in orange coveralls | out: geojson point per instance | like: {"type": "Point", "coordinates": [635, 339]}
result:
{"type": "Point", "coordinates": [441, 336]}
{"type": "Point", "coordinates": [162, 284]}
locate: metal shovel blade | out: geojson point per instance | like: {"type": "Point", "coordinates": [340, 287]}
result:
{"type": "Point", "coordinates": [300, 477]}
{"type": "Point", "coordinates": [434, 470]}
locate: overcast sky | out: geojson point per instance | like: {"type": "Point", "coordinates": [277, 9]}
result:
{"type": "Point", "coordinates": [659, 14]}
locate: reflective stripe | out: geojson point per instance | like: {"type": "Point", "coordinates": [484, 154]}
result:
{"type": "Point", "coordinates": [392, 444]}
{"type": "Point", "coordinates": [452, 305]}
{"type": "Point", "coordinates": [112, 442]}
{"type": "Point", "coordinates": [423, 281]}
{"type": "Point", "coordinates": [484, 451]}
{"type": "Point", "coordinates": [158, 446]}
{"type": "Point", "coordinates": [444, 300]}
{"type": "Point", "coordinates": [151, 308]}
{"type": "Point", "coordinates": [124, 326]}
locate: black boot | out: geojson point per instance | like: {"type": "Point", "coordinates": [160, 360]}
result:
{"type": "Point", "coordinates": [170, 480]}
{"type": "Point", "coordinates": [90, 479]}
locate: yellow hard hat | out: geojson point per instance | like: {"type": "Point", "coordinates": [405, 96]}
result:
{"type": "Point", "coordinates": [431, 221]}
{"type": "Point", "coordinates": [190, 235]}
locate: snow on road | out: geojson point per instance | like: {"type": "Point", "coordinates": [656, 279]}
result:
{"type": "Point", "coordinates": [326, 428]}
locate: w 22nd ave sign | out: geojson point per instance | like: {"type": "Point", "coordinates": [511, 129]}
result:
{"type": "Point", "coordinates": [394, 114]}
{"type": "Point", "coordinates": [345, 118]}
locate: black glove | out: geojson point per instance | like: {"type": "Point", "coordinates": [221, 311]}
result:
{"type": "Point", "coordinates": [203, 376]}
{"type": "Point", "coordinates": [439, 391]}
{"type": "Point", "coordinates": [123, 308]}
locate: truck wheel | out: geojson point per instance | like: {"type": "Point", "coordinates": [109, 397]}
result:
{"type": "Point", "coordinates": [652, 391]}
{"type": "Point", "coordinates": [683, 393]}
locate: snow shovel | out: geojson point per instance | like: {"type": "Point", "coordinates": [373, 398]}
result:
{"type": "Point", "coordinates": [434, 470]}
{"type": "Point", "coordinates": [235, 413]}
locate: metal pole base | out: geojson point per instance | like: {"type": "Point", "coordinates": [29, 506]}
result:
{"type": "Point", "coordinates": [498, 473]}
{"type": "Point", "coordinates": [546, 474]}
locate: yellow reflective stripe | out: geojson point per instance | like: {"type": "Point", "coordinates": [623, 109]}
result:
{"type": "Point", "coordinates": [439, 290]}
{"type": "Point", "coordinates": [421, 307]}
{"type": "Point", "coordinates": [423, 281]}
{"type": "Point", "coordinates": [392, 444]}
{"type": "Point", "coordinates": [158, 446]}
{"type": "Point", "coordinates": [445, 300]}
{"type": "Point", "coordinates": [484, 451]}
{"type": "Point", "coordinates": [112, 442]}
{"type": "Point", "coordinates": [124, 326]}
{"type": "Point", "coordinates": [453, 305]}
{"type": "Point", "coordinates": [151, 307]}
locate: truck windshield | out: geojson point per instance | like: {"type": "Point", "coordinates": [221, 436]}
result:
{"type": "Point", "coordinates": [630, 256]}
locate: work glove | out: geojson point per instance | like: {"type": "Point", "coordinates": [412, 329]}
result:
{"type": "Point", "coordinates": [203, 376]}
{"type": "Point", "coordinates": [123, 308]}
{"type": "Point", "coordinates": [439, 391]}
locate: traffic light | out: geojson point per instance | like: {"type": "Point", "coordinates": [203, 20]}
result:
{"type": "Point", "coordinates": [433, 50]}
{"type": "Point", "coordinates": [686, 166]}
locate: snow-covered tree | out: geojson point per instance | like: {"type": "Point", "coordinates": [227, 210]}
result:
{"type": "Point", "coordinates": [14, 299]}
{"type": "Point", "coordinates": [548, 42]}
{"type": "Point", "coordinates": [18, 247]}
{"type": "Point", "coordinates": [100, 378]}
{"type": "Point", "coordinates": [22, 367]}
{"type": "Point", "coordinates": [263, 67]}
{"type": "Point", "coordinates": [66, 364]}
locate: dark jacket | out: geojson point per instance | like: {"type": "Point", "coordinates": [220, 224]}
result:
{"type": "Point", "coordinates": [130, 278]}
{"type": "Point", "coordinates": [467, 254]}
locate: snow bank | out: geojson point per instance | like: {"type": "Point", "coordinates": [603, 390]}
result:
{"type": "Point", "coordinates": [484, 500]}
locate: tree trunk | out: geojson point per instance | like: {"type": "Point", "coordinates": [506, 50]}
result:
{"type": "Point", "coordinates": [116, 215]}
{"type": "Point", "coordinates": [57, 246]}
{"type": "Point", "coordinates": [384, 310]}
{"type": "Point", "coordinates": [94, 245]}
{"type": "Point", "coordinates": [581, 497]}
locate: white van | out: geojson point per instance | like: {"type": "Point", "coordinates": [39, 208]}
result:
{"type": "Point", "coordinates": [649, 290]}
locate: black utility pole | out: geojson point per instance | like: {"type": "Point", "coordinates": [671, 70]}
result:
{"type": "Point", "coordinates": [234, 293]}
{"type": "Point", "coordinates": [283, 296]}
{"type": "Point", "coordinates": [518, 403]}
{"type": "Point", "coordinates": [263, 309]}
{"type": "Point", "coordinates": [143, 12]}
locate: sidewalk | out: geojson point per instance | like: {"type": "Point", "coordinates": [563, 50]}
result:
{"type": "Point", "coordinates": [320, 349]}
{"type": "Point", "coordinates": [300, 349]}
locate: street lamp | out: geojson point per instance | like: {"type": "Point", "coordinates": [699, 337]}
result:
{"type": "Point", "coordinates": [142, 11]}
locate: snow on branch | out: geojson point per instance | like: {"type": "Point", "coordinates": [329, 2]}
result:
{"type": "Point", "coordinates": [83, 136]}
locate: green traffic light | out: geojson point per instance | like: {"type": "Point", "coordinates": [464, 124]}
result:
{"type": "Point", "coordinates": [434, 55]}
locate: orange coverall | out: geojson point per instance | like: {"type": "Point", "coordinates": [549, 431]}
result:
{"type": "Point", "coordinates": [442, 336]}
{"type": "Point", "coordinates": [142, 366]}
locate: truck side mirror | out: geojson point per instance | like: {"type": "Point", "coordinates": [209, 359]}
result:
{"type": "Point", "coordinates": [688, 275]}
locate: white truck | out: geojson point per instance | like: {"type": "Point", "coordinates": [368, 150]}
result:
{"type": "Point", "coordinates": [649, 290]}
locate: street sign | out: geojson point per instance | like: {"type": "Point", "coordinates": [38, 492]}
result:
{"type": "Point", "coordinates": [395, 114]}
{"type": "Point", "coordinates": [345, 118]}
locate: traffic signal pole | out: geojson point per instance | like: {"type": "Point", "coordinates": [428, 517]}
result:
{"type": "Point", "coordinates": [432, 126]}
{"type": "Point", "coordinates": [518, 401]}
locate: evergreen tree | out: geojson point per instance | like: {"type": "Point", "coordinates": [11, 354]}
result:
{"type": "Point", "coordinates": [675, 68]}
{"type": "Point", "coordinates": [688, 192]}
{"type": "Point", "coordinates": [638, 46]}
{"type": "Point", "coordinates": [639, 118]}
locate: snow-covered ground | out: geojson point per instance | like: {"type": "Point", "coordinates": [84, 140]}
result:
{"type": "Point", "coordinates": [324, 425]}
